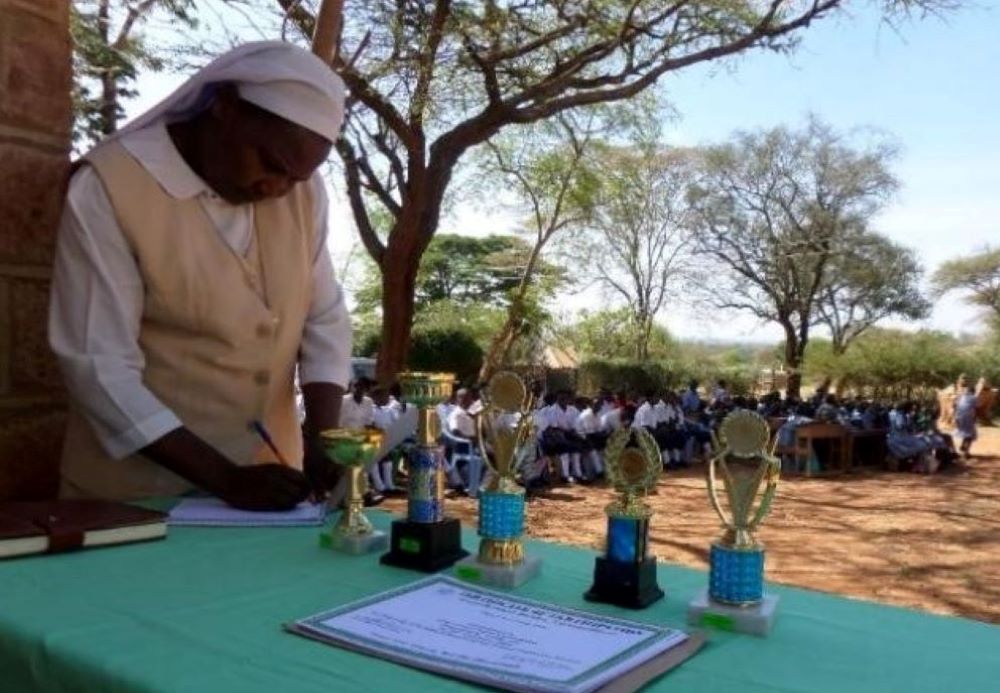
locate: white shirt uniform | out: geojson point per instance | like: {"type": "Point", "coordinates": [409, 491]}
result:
{"type": "Point", "coordinates": [384, 417]}
{"type": "Point", "coordinates": [97, 304]}
{"type": "Point", "coordinates": [588, 422]}
{"type": "Point", "coordinates": [563, 418]}
{"type": "Point", "coordinates": [645, 416]}
{"type": "Point", "coordinates": [357, 414]}
{"type": "Point", "coordinates": [444, 411]}
{"type": "Point", "coordinates": [612, 420]}
{"type": "Point", "coordinates": [461, 421]}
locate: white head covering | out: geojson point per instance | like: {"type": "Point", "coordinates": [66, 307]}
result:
{"type": "Point", "coordinates": [279, 77]}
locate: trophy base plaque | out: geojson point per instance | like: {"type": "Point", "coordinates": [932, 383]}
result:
{"type": "Point", "coordinates": [472, 569]}
{"type": "Point", "coordinates": [425, 546]}
{"type": "Point", "coordinates": [756, 619]}
{"type": "Point", "coordinates": [355, 544]}
{"type": "Point", "coordinates": [631, 585]}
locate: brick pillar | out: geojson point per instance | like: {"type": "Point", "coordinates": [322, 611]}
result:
{"type": "Point", "coordinates": [35, 118]}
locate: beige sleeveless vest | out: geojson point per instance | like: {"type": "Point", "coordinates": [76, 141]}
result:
{"type": "Point", "coordinates": [220, 333]}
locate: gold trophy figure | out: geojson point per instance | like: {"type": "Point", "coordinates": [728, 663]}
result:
{"type": "Point", "coordinates": [626, 574]}
{"type": "Point", "coordinates": [748, 475]}
{"type": "Point", "coordinates": [355, 449]}
{"type": "Point", "coordinates": [506, 430]}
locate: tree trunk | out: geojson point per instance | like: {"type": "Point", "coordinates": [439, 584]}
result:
{"type": "Point", "coordinates": [399, 279]}
{"type": "Point", "coordinates": [793, 362]}
{"type": "Point", "coordinates": [109, 82]}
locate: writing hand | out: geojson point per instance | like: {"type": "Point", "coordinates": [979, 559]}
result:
{"type": "Point", "coordinates": [264, 487]}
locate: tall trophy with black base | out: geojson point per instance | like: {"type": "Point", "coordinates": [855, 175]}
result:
{"type": "Point", "coordinates": [353, 448]}
{"type": "Point", "coordinates": [505, 432]}
{"type": "Point", "coordinates": [426, 540]}
{"type": "Point", "coordinates": [626, 574]}
{"type": "Point", "coordinates": [735, 599]}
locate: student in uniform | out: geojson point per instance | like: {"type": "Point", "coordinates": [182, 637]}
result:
{"type": "Point", "coordinates": [462, 425]}
{"type": "Point", "coordinates": [965, 420]}
{"type": "Point", "coordinates": [382, 473]}
{"type": "Point", "coordinates": [589, 427]}
{"type": "Point", "coordinates": [192, 281]}
{"type": "Point", "coordinates": [357, 409]}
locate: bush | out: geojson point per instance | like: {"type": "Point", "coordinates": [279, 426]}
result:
{"type": "Point", "coordinates": [453, 351]}
{"type": "Point", "coordinates": [631, 376]}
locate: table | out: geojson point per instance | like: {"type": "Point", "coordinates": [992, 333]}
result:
{"type": "Point", "coordinates": [202, 611]}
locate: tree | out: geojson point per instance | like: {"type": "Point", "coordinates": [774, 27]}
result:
{"type": "Point", "coordinates": [428, 81]}
{"type": "Point", "coordinates": [635, 241]}
{"type": "Point", "coordinates": [612, 334]}
{"type": "Point", "coordinates": [467, 269]}
{"type": "Point", "coordinates": [978, 275]}
{"type": "Point", "coordinates": [868, 282]}
{"type": "Point", "coordinates": [545, 168]}
{"type": "Point", "coordinates": [108, 51]}
{"type": "Point", "coordinates": [773, 210]}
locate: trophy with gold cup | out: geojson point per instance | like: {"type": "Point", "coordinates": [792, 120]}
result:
{"type": "Point", "coordinates": [506, 431]}
{"type": "Point", "coordinates": [735, 598]}
{"type": "Point", "coordinates": [626, 574]}
{"type": "Point", "coordinates": [426, 540]}
{"type": "Point", "coordinates": [353, 448]}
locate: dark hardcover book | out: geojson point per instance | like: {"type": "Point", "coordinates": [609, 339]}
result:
{"type": "Point", "coordinates": [67, 525]}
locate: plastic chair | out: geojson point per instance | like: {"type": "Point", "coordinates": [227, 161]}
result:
{"type": "Point", "coordinates": [462, 450]}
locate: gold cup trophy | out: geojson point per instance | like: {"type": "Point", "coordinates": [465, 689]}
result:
{"type": "Point", "coordinates": [425, 539]}
{"type": "Point", "coordinates": [626, 574]}
{"type": "Point", "coordinates": [355, 449]}
{"type": "Point", "coordinates": [506, 437]}
{"type": "Point", "coordinates": [735, 597]}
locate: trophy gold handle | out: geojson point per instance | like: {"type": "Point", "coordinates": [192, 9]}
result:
{"type": "Point", "coordinates": [773, 467]}
{"type": "Point", "coordinates": [713, 495]}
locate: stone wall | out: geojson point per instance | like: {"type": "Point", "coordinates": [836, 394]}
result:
{"type": "Point", "coordinates": [35, 120]}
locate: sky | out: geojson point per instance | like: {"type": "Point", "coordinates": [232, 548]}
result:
{"type": "Point", "coordinates": [929, 83]}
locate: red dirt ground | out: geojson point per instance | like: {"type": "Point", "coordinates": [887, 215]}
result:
{"type": "Point", "coordinates": [929, 542]}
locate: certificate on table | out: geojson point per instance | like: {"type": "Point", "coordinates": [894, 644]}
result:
{"type": "Point", "coordinates": [468, 632]}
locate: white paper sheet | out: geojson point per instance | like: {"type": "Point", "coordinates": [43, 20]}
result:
{"type": "Point", "coordinates": [480, 635]}
{"type": "Point", "coordinates": [212, 512]}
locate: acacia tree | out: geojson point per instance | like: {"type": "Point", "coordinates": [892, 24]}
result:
{"type": "Point", "coordinates": [109, 48]}
{"type": "Point", "coordinates": [977, 275]}
{"type": "Point", "coordinates": [429, 80]}
{"type": "Point", "coordinates": [545, 168]}
{"type": "Point", "coordinates": [773, 211]}
{"type": "Point", "coordinates": [869, 281]}
{"type": "Point", "coordinates": [635, 240]}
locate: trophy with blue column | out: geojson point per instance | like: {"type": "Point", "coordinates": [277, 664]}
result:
{"type": "Point", "coordinates": [506, 436]}
{"type": "Point", "coordinates": [353, 448]}
{"type": "Point", "coordinates": [426, 540]}
{"type": "Point", "coordinates": [735, 598]}
{"type": "Point", "coordinates": [626, 574]}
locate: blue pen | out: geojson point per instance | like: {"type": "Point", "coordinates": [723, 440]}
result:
{"type": "Point", "coordinates": [258, 428]}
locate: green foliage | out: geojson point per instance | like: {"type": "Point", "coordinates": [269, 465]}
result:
{"type": "Point", "coordinates": [109, 50]}
{"type": "Point", "coordinates": [466, 270]}
{"type": "Point", "coordinates": [890, 363]}
{"type": "Point", "coordinates": [613, 334]}
{"type": "Point", "coordinates": [439, 349]}
{"type": "Point", "coordinates": [631, 376]}
{"type": "Point", "coordinates": [977, 276]}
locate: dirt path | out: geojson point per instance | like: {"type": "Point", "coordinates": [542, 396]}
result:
{"type": "Point", "coordinates": [929, 542]}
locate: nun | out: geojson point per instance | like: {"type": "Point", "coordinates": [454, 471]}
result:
{"type": "Point", "coordinates": [192, 283]}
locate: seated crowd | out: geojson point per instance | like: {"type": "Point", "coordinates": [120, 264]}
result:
{"type": "Point", "coordinates": [570, 432]}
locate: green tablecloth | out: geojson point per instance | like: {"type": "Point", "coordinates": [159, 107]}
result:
{"type": "Point", "coordinates": [202, 611]}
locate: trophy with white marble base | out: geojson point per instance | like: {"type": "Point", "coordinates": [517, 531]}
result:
{"type": "Point", "coordinates": [426, 540]}
{"type": "Point", "coordinates": [506, 430]}
{"type": "Point", "coordinates": [735, 598]}
{"type": "Point", "coordinates": [353, 448]}
{"type": "Point", "coordinates": [626, 574]}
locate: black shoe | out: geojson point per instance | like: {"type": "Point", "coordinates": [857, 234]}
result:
{"type": "Point", "coordinates": [372, 499]}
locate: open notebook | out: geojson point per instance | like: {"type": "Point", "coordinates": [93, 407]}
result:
{"type": "Point", "coordinates": [212, 512]}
